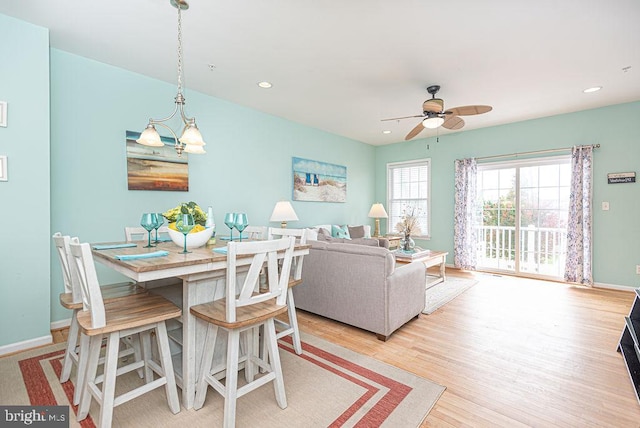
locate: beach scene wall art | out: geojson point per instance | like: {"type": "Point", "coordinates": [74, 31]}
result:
{"type": "Point", "coordinates": [319, 181]}
{"type": "Point", "coordinates": [156, 168]}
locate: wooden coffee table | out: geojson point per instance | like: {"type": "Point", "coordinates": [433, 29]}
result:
{"type": "Point", "coordinates": [429, 258]}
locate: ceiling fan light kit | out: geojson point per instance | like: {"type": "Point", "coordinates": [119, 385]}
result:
{"type": "Point", "coordinates": [433, 122]}
{"type": "Point", "coordinates": [434, 115]}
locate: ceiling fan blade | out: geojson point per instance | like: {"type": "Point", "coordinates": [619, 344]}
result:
{"type": "Point", "coordinates": [469, 110]}
{"type": "Point", "coordinates": [415, 131]}
{"type": "Point", "coordinates": [453, 122]}
{"type": "Point", "coordinates": [434, 105]}
{"type": "Point", "coordinates": [398, 118]}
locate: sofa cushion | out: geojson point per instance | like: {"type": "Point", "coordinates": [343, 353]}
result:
{"type": "Point", "coordinates": [340, 231]}
{"type": "Point", "coordinates": [356, 232]}
{"type": "Point", "coordinates": [364, 241]}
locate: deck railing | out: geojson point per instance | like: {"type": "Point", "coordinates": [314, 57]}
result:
{"type": "Point", "coordinates": [542, 249]}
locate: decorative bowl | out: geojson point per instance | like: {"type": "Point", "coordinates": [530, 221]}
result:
{"type": "Point", "coordinates": [194, 240]}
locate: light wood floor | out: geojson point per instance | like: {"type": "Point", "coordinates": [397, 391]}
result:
{"type": "Point", "coordinates": [511, 352]}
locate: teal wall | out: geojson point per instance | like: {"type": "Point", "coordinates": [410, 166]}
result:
{"type": "Point", "coordinates": [247, 166]}
{"type": "Point", "coordinates": [616, 242]}
{"type": "Point", "coordinates": [24, 199]}
{"type": "Point", "coordinates": [70, 176]}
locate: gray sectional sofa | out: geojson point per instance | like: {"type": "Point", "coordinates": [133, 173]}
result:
{"type": "Point", "coordinates": [360, 285]}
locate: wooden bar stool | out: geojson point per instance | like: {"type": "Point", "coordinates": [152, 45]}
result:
{"type": "Point", "coordinates": [291, 328]}
{"type": "Point", "coordinates": [244, 309]}
{"type": "Point", "coordinates": [72, 299]}
{"type": "Point", "coordinates": [140, 314]}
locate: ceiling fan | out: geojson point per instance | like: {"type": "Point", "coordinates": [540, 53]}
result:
{"type": "Point", "coordinates": [435, 115]}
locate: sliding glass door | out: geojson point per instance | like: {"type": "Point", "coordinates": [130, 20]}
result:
{"type": "Point", "coordinates": [522, 229]}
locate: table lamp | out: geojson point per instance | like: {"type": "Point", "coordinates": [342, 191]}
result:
{"type": "Point", "coordinates": [283, 212]}
{"type": "Point", "coordinates": [377, 211]}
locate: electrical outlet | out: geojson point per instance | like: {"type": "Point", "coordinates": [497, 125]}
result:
{"type": "Point", "coordinates": [638, 269]}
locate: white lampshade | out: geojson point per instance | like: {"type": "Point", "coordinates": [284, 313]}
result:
{"type": "Point", "coordinates": [192, 137]}
{"type": "Point", "coordinates": [433, 122]}
{"type": "Point", "coordinates": [283, 212]}
{"type": "Point", "coordinates": [377, 211]}
{"type": "Point", "coordinates": [196, 150]}
{"type": "Point", "coordinates": [150, 137]}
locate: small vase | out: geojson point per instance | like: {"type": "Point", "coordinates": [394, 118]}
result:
{"type": "Point", "coordinates": [407, 244]}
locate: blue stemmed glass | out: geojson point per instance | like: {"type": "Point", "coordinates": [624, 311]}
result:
{"type": "Point", "coordinates": [230, 221]}
{"type": "Point", "coordinates": [241, 222]}
{"type": "Point", "coordinates": [148, 221]}
{"type": "Point", "coordinates": [158, 225]}
{"type": "Point", "coordinates": [184, 224]}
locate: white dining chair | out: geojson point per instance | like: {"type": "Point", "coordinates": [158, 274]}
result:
{"type": "Point", "coordinates": [291, 328]}
{"type": "Point", "coordinates": [75, 352]}
{"type": "Point", "coordinates": [141, 314]}
{"type": "Point", "coordinates": [245, 309]}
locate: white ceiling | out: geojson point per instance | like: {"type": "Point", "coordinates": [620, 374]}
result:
{"type": "Point", "coordinates": [341, 66]}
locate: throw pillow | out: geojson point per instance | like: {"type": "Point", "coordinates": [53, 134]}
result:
{"type": "Point", "coordinates": [356, 232]}
{"type": "Point", "coordinates": [340, 231]}
{"type": "Point", "coordinates": [323, 234]}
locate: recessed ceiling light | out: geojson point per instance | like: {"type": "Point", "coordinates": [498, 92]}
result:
{"type": "Point", "coordinates": [386, 131]}
{"type": "Point", "coordinates": [265, 85]}
{"type": "Point", "coordinates": [594, 89]}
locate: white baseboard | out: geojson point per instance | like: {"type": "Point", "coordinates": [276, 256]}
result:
{"type": "Point", "coordinates": [27, 344]}
{"type": "Point", "coordinates": [614, 287]}
{"type": "Point", "coordinates": [57, 325]}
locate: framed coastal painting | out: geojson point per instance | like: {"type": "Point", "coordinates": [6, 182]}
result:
{"type": "Point", "coordinates": [156, 168]}
{"type": "Point", "coordinates": [319, 181]}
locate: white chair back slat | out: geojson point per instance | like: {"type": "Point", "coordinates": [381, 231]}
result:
{"type": "Point", "coordinates": [139, 233]}
{"type": "Point", "coordinates": [301, 234]}
{"type": "Point", "coordinates": [68, 273]}
{"type": "Point", "coordinates": [88, 280]}
{"type": "Point", "coordinates": [252, 278]}
{"type": "Point", "coordinates": [256, 232]}
{"type": "Point", "coordinates": [249, 292]}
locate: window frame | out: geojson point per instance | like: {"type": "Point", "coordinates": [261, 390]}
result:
{"type": "Point", "coordinates": [407, 164]}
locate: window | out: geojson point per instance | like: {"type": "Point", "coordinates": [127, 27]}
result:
{"type": "Point", "coordinates": [408, 189]}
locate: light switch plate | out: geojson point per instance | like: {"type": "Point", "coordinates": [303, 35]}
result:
{"type": "Point", "coordinates": [605, 206]}
{"type": "Point", "coordinates": [4, 175]}
{"type": "Point", "coordinates": [3, 113]}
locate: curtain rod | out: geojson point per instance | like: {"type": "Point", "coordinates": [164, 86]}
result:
{"type": "Point", "coordinates": [535, 152]}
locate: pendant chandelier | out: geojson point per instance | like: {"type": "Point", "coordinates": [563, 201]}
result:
{"type": "Point", "coordinates": [191, 140]}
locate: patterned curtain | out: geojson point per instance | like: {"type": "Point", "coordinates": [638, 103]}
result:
{"type": "Point", "coordinates": [579, 247]}
{"type": "Point", "coordinates": [465, 215]}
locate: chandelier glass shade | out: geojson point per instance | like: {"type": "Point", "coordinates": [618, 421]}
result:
{"type": "Point", "coordinates": [191, 140]}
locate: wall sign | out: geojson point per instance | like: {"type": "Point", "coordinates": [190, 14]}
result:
{"type": "Point", "coordinates": [621, 177]}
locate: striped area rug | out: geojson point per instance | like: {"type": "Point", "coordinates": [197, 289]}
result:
{"type": "Point", "coordinates": [327, 385]}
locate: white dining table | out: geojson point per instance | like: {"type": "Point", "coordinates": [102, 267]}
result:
{"type": "Point", "coordinates": [203, 274]}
